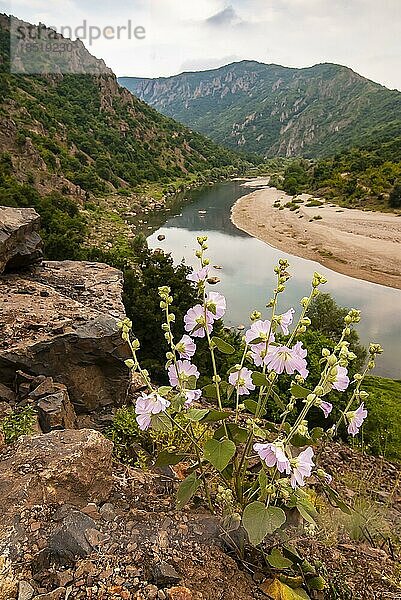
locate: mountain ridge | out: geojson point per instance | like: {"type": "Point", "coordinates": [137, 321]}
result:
{"type": "Point", "coordinates": [274, 110]}
{"type": "Point", "coordinates": [83, 133]}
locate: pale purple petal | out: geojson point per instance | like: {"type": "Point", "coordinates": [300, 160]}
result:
{"type": "Point", "coordinates": [326, 407]}
{"type": "Point", "coordinates": [259, 330]}
{"type": "Point", "coordinates": [197, 276]}
{"type": "Point", "coordinates": [216, 304]}
{"type": "Point", "coordinates": [274, 456]}
{"type": "Point", "coordinates": [186, 347]}
{"type": "Point", "coordinates": [195, 321]}
{"type": "Point", "coordinates": [191, 396]}
{"type": "Point", "coordinates": [285, 320]}
{"type": "Point", "coordinates": [243, 380]}
{"type": "Point", "coordinates": [342, 380]}
{"type": "Point", "coordinates": [356, 419]}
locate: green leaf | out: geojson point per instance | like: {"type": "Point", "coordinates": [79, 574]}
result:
{"type": "Point", "coordinates": [316, 434]}
{"type": "Point", "coordinates": [168, 458]}
{"type": "Point", "coordinates": [191, 383]}
{"type": "Point", "coordinates": [164, 390]}
{"type": "Point", "coordinates": [197, 414]}
{"type": "Point", "coordinates": [223, 346]}
{"type": "Point", "coordinates": [161, 422]}
{"type": "Point", "coordinates": [278, 561]}
{"type": "Point", "coordinates": [219, 453]}
{"type": "Point", "coordinates": [298, 391]}
{"type": "Point", "coordinates": [235, 433]}
{"type": "Point", "coordinates": [335, 498]}
{"type": "Point", "coordinates": [251, 405]}
{"type": "Point", "coordinates": [187, 489]}
{"type": "Point", "coordinates": [260, 521]}
{"type": "Point", "coordinates": [276, 590]}
{"type": "Point", "coordinates": [259, 379]}
{"type": "Point", "coordinates": [301, 440]}
{"type": "Point", "coordinates": [215, 415]}
{"type": "Point", "coordinates": [209, 391]}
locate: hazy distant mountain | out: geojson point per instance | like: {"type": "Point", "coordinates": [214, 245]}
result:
{"type": "Point", "coordinates": [274, 110]}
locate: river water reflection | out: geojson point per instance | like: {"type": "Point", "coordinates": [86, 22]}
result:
{"type": "Point", "coordinates": [247, 277]}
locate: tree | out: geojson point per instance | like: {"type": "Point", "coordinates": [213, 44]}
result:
{"type": "Point", "coordinates": [395, 196]}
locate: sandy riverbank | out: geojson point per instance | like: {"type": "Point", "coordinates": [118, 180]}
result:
{"type": "Point", "coordinates": [366, 245]}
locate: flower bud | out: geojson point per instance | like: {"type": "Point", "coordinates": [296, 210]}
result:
{"type": "Point", "coordinates": [325, 352]}
{"type": "Point", "coordinates": [304, 302]}
{"type": "Point", "coordinates": [332, 360]}
{"type": "Point", "coordinates": [311, 398]}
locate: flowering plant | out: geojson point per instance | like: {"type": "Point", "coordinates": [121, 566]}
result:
{"type": "Point", "coordinates": [255, 469]}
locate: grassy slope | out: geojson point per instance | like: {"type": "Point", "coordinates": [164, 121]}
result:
{"type": "Point", "coordinates": [383, 427]}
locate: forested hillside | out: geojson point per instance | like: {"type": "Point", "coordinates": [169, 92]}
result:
{"type": "Point", "coordinates": [367, 177]}
{"type": "Point", "coordinates": [277, 111]}
{"type": "Point", "coordinates": [85, 134]}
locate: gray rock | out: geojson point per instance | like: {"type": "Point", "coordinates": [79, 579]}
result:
{"type": "Point", "coordinates": [25, 591]}
{"type": "Point", "coordinates": [70, 335]}
{"type": "Point", "coordinates": [107, 512]}
{"type": "Point", "coordinates": [70, 539]}
{"type": "Point", "coordinates": [55, 411]}
{"type": "Point", "coordinates": [20, 243]}
{"type": "Point", "coordinates": [165, 574]}
{"type": "Point", "coordinates": [7, 395]}
{"type": "Point", "coordinates": [58, 594]}
{"type": "Point", "coordinates": [56, 468]}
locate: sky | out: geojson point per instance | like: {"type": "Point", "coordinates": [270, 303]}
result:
{"type": "Point", "coordinates": [192, 35]}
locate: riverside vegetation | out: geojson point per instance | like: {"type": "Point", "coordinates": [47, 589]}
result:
{"type": "Point", "coordinates": [367, 177]}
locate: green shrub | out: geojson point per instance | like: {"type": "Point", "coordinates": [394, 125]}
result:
{"type": "Point", "coordinates": [20, 422]}
{"type": "Point", "coordinates": [382, 432]}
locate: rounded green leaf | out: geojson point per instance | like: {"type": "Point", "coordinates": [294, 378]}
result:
{"type": "Point", "coordinates": [259, 521]}
{"type": "Point", "coordinates": [219, 453]}
{"type": "Point", "coordinates": [259, 379]}
{"type": "Point", "coordinates": [223, 346]}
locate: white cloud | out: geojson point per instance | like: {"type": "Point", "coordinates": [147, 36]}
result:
{"type": "Point", "coordinates": [181, 34]}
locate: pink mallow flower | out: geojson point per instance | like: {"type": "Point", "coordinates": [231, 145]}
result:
{"type": "Point", "coordinates": [242, 380]}
{"type": "Point", "coordinates": [355, 419]}
{"type": "Point", "coordinates": [196, 321]}
{"type": "Point", "coordinates": [285, 320]}
{"type": "Point", "coordinates": [191, 396]}
{"type": "Point", "coordinates": [326, 407]}
{"type": "Point", "coordinates": [199, 276]}
{"type": "Point", "coordinates": [302, 467]}
{"type": "Point", "coordinates": [342, 380]}
{"type": "Point", "coordinates": [274, 456]}
{"type": "Point", "coordinates": [216, 304]}
{"type": "Point", "coordinates": [148, 405]}
{"type": "Point", "coordinates": [282, 358]}
{"type": "Point", "coordinates": [258, 353]}
{"type": "Point", "coordinates": [182, 371]}
{"type": "Point", "coordinates": [259, 330]}
{"type": "Point", "coordinates": [186, 347]}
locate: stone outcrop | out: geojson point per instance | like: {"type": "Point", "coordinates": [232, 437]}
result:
{"type": "Point", "coordinates": [20, 242]}
{"type": "Point", "coordinates": [60, 467]}
{"type": "Point", "coordinates": [60, 320]}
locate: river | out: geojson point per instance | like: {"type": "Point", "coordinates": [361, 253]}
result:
{"type": "Point", "coordinates": [247, 277]}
